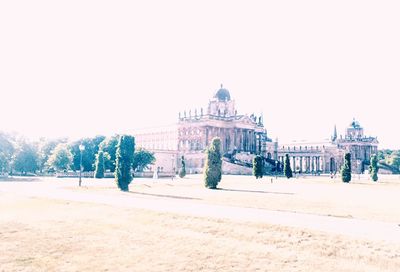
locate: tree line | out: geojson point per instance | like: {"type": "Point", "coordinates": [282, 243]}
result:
{"type": "Point", "coordinates": [19, 155]}
{"type": "Point", "coordinates": [391, 158]}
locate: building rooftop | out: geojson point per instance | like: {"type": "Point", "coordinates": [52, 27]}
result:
{"type": "Point", "coordinates": [222, 94]}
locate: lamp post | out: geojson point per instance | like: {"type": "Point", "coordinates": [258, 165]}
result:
{"type": "Point", "coordinates": [81, 149]}
{"type": "Point", "coordinates": [276, 169]}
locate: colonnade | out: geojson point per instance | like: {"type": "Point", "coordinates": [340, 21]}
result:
{"type": "Point", "coordinates": [305, 164]}
{"type": "Point", "coordinates": [246, 140]}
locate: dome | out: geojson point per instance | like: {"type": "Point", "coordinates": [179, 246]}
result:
{"type": "Point", "coordinates": [355, 124]}
{"type": "Point", "coordinates": [222, 94]}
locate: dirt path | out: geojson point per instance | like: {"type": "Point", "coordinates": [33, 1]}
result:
{"type": "Point", "coordinates": [190, 206]}
{"type": "Point", "coordinates": [42, 234]}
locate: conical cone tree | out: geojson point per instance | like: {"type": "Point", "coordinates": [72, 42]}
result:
{"type": "Point", "coordinates": [182, 171]}
{"type": "Point", "coordinates": [373, 171]}
{"type": "Point", "coordinates": [213, 167]}
{"type": "Point", "coordinates": [99, 171]}
{"type": "Point", "coordinates": [286, 167]}
{"type": "Point", "coordinates": [346, 168]}
{"type": "Point", "coordinates": [258, 166]}
{"type": "Point", "coordinates": [124, 160]}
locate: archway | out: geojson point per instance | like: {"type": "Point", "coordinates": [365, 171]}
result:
{"type": "Point", "coordinates": [332, 165]}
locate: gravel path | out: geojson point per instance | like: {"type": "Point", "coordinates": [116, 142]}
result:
{"type": "Point", "coordinates": [373, 230]}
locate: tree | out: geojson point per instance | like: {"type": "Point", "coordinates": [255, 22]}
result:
{"type": "Point", "coordinates": [213, 167]}
{"type": "Point", "coordinates": [394, 159]}
{"type": "Point", "coordinates": [258, 167]}
{"type": "Point", "coordinates": [346, 168]}
{"type": "Point", "coordinates": [384, 154]}
{"type": "Point", "coordinates": [6, 152]}
{"type": "Point", "coordinates": [26, 158]}
{"type": "Point", "coordinates": [88, 155]}
{"type": "Point", "coordinates": [373, 168]}
{"type": "Point", "coordinates": [182, 171]}
{"type": "Point", "coordinates": [124, 160]}
{"type": "Point", "coordinates": [99, 171]}
{"type": "Point", "coordinates": [46, 148]}
{"type": "Point", "coordinates": [109, 145]}
{"type": "Point", "coordinates": [61, 158]}
{"type": "Point", "coordinates": [142, 158]}
{"type": "Point", "coordinates": [286, 167]}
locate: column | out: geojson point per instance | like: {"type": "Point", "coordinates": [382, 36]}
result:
{"type": "Point", "coordinates": [253, 142]}
{"type": "Point", "coordinates": [246, 141]}
{"type": "Point", "coordinates": [294, 164]}
{"type": "Point", "coordinates": [312, 164]}
{"type": "Point", "coordinates": [243, 140]}
{"type": "Point", "coordinates": [301, 164]}
{"type": "Point", "coordinates": [206, 138]}
{"type": "Point", "coordinates": [253, 133]}
{"type": "Point", "coordinates": [248, 134]}
{"type": "Point", "coordinates": [235, 138]}
{"type": "Point", "coordinates": [308, 164]}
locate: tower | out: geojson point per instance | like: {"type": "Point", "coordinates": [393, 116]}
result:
{"type": "Point", "coordinates": [221, 104]}
{"type": "Point", "coordinates": [334, 135]}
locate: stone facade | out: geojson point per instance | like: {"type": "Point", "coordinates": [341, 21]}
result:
{"type": "Point", "coordinates": [239, 134]}
{"type": "Point", "coordinates": [243, 137]}
{"type": "Point", "coordinates": [162, 141]}
{"type": "Point", "coordinates": [327, 156]}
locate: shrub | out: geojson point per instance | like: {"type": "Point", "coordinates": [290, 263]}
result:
{"type": "Point", "coordinates": [373, 168]}
{"type": "Point", "coordinates": [346, 168]}
{"type": "Point", "coordinates": [286, 167]}
{"type": "Point", "coordinates": [124, 160]}
{"type": "Point", "coordinates": [213, 166]}
{"type": "Point", "coordinates": [182, 171]}
{"type": "Point", "coordinates": [99, 171]}
{"type": "Point", "coordinates": [258, 166]}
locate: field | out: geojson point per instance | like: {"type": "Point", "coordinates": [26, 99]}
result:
{"type": "Point", "coordinates": [178, 225]}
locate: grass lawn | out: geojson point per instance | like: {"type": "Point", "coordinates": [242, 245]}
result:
{"type": "Point", "coordinates": [42, 234]}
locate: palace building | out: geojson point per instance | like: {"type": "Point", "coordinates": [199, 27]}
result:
{"type": "Point", "coordinates": [244, 136]}
{"type": "Point", "coordinates": [241, 135]}
{"type": "Point", "coordinates": [327, 156]}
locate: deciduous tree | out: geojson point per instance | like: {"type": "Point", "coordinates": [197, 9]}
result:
{"type": "Point", "coordinates": [141, 159]}
{"type": "Point", "coordinates": [109, 145]}
{"type": "Point", "coordinates": [88, 155]}
{"type": "Point", "coordinates": [61, 158]}
{"type": "Point", "coordinates": [6, 152]}
{"type": "Point", "coordinates": [26, 158]}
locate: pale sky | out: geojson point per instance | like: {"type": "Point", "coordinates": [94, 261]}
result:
{"type": "Point", "coordinates": [80, 68]}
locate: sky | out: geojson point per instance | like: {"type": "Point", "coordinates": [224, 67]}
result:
{"type": "Point", "coordinates": [81, 68]}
